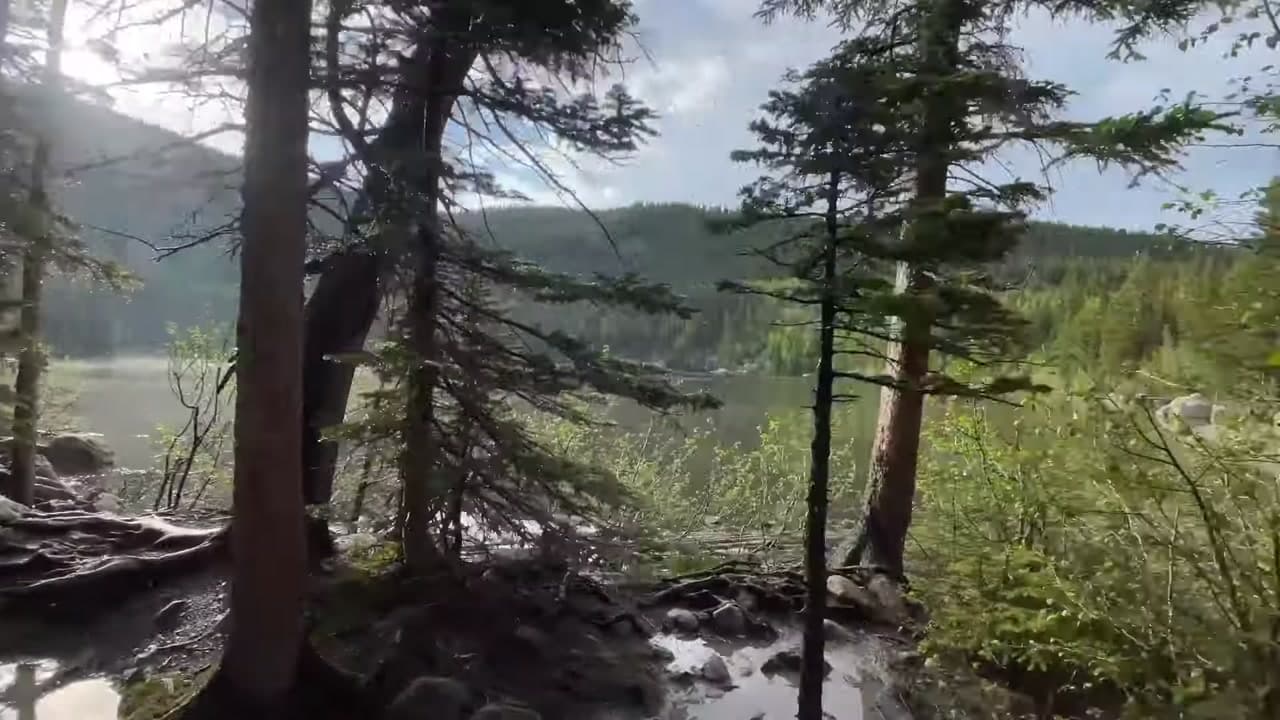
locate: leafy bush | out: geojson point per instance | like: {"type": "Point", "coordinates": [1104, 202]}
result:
{"type": "Point", "coordinates": [1097, 561]}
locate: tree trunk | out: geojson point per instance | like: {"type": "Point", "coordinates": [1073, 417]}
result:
{"type": "Point", "coordinates": [418, 466]}
{"type": "Point", "coordinates": [26, 386]}
{"type": "Point", "coordinates": [344, 303]}
{"type": "Point", "coordinates": [891, 481]}
{"type": "Point", "coordinates": [812, 668]}
{"type": "Point", "coordinates": [260, 664]}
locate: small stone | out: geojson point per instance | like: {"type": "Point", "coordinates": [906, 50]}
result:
{"type": "Point", "coordinates": [44, 469]}
{"type": "Point", "coordinates": [10, 510]}
{"type": "Point", "coordinates": [729, 619]}
{"type": "Point", "coordinates": [170, 614]}
{"type": "Point", "coordinates": [716, 671]}
{"type": "Point", "coordinates": [355, 543]}
{"type": "Point", "coordinates": [715, 693]}
{"type": "Point", "coordinates": [835, 632]}
{"type": "Point", "coordinates": [432, 697]}
{"type": "Point", "coordinates": [501, 711]}
{"type": "Point", "coordinates": [789, 661]}
{"type": "Point", "coordinates": [683, 620]}
{"type": "Point", "coordinates": [106, 502]}
{"type": "Point", "coordinates": [890, 605]}
{"type": "Point", "coordinates": [535, 639]}
{"type": "Point", "coordinates": [661, 653]}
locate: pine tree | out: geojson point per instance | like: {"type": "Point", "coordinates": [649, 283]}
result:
{"type": "Point", "coordinates": [39, 233]}
{"type": "Point", "coordinates": [959, 92]}
{"type": "Point", "coordinates": [830, 146]}
{"type": "Point", "coordinates": [473, 65]}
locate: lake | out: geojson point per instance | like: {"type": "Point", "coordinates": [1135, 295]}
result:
{"type": "Point", "coordinates": [126, 398]}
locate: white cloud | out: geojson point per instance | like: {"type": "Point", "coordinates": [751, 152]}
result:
{"type": "Point", "coordinates": [683, 86]}
{"type": "Point", "coordinates": [712, 64]}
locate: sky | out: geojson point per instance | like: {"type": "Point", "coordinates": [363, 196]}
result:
{"type": "Point", "coordinates": [708, 64]}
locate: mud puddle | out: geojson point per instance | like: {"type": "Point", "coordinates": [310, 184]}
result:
{"type": "Point", "coordinates": [855, 689]}
{"type": "Point", "coordinates": [36, 690]}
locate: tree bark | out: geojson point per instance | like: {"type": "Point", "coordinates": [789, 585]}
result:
{"type": "Point", "coordinates": [260, 664]}
{"type": "Point", "coordinates": [891, 481]}
{"type": "Point", "coordinates": [344, 303]}
{"type": "Point", "coordinates": [812, 668]}
{"type": "Point", "coordinates": [26, 386]}
{"type": "Point", "coordinates": [418, 467]}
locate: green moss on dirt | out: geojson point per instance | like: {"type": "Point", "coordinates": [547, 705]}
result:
{"type": "Point", "coordinates": [152, 698]}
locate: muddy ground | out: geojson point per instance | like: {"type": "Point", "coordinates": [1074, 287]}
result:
{"type": "Point", "coordinates": [524, 634]}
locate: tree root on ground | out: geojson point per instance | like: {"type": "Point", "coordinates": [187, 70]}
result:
{"type": "Point", "coordinates": [57, 556]}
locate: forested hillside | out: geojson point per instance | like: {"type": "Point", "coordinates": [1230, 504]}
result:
{"type": "Point", "coordinates": [151, 189]}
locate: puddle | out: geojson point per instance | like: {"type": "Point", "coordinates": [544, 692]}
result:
{"type": "Point", "coordinates": [32, 691]}
{"type": "Point", "coordinates": [851, 691]}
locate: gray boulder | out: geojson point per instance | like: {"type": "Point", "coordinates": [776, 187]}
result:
{"type": "Point", "coordinates": [79, 454]}
{"type": "Point", "coordinates": [729, 619]}
{"type": "Point", "coordinates": [431, 698]}
{"type": "Point", "coordinates": [683, 620]}
{"type": "Point", "coordinates": [1194, 410]}
{"type": "Point", "coordinates": [716, 671]}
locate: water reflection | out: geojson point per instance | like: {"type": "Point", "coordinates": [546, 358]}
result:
{"type": "Point", "coordinates": [32, 691]}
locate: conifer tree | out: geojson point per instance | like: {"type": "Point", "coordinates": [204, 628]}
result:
{"type": "Point", "coordinates": [478, 67]}
{"type": "Point", "coordinates": [961, 94]}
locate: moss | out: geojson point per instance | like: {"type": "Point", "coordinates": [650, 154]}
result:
{"type": "Point", "coordinates": [152, 698]}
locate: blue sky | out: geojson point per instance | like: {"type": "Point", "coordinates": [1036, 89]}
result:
{"type": "Point", "coordinates": [711, 64]}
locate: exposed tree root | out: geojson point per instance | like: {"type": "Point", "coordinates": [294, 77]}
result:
{"type": "Point", "coordinates": [65, 556]}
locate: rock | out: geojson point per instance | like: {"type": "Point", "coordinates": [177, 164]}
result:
{"type": "Point", "coordinates": [355, 542]}
{"type": "Point", "coordinates": [789, 661]}
{"type": "Point", "coordinates": [44, 468]}
{"type": "Point", "coordinates": [891, 605]}
{"type": "Point", "coordinates": [849, 592]}
{"type": "Point", "coordinates": [729, 619]}
{"type": "Point", "coordinates": [1194, 410]}
{"type": "Point", "coordinates": [534, 639]}
{"type": "Point", "coordinates": [170, 614]}
{"type": "Point", "coordinates": [10, 510]}
{"type": "Point", "coordinates": [106, 502]}
{"type": "Point", "coordinates": [1222, 415]}
{"type": "Point", "coordinates": [502, 711]}
{"type": "Point", "coordinates": [397, 671]}
{"type": "Point", "coordinates": [835, 632]}
{"type": "Point", "coordinates": [79, 454]}
{"type": "Point", "coordinates": [683, 620]}
{"type": "Point", "coordinates": [715, 670]}
{"type": "Point", "coordinates": [436, 698]}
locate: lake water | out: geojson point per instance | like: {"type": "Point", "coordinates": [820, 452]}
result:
{"type": "Point", "coordinates": [125, 398]}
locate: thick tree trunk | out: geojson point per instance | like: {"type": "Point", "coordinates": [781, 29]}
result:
{"type": "Point", "coordinates": [26, 386]}
{"type": "Point", "coordinates": [339, 313]}
{"type": "Point", "coordinates": [891, 481]}
{"type": "Point", "coordinates": [812, 668]}
{"type": "Point", "coordinates": [344, 303]}
{"type": "Point", "coordinates": [418, 467]}
{"type": "Point", "coordinates": [260, 664]}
